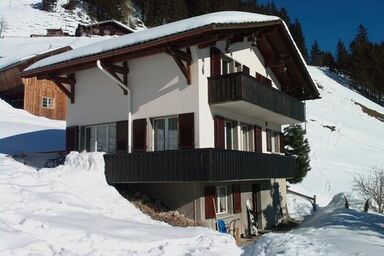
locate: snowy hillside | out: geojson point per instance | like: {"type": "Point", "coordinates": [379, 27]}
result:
{"type": "Point", "coordinates": [21, 131]}
{"type": "Point", "coordinates": [355, 145]}
{"type": "Point", "coordinates": [24, 17]}
{"type": "Point", "coordinates": [70, 210]}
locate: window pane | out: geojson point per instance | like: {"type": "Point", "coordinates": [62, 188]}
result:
{"type": "Point", "coordinates": [159, 137]}
{"type": "Point", "coordinates": [172, 133]}
{"type": "Point", "coordinates": [93, 139]}
{"type": "Point", "coordinates": [221, 193]}
{"type": "Point", "coordinates": [228, 135]}
{"type": "Point", "coordinates": [112, 138]}
{"type": "Point", "coordinates": [102, 138]}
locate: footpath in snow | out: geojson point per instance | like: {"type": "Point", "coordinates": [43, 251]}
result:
{"type": "Point", "coordinates": [71, 210]}
{"type": "Point", "coordinates": [333, 230]}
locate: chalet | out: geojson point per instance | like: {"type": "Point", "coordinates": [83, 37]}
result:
{"type": "Point", "coordinates": [191, 112]}
{"type": "Point", "coordinates": [39, 97]}
{"type": "Point", "coordinates": [103, 28]}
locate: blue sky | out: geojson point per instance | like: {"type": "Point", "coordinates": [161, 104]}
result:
{"type": "Point", "coordinates": [328, 20]}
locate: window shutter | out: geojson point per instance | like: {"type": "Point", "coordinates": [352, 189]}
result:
{"type": "Point", "coordinates": [215, 62]}
{"type": "Point", "coordinates": [219, 132]}
{"type": "Point", "coordinates": [71, 138]}
{"type": "Point", "coordinates": [236, 194]}
{"type": "Point", "coordinates": [210, 196]}
{"type": "Point", "coordinates": [282, 143]}
{"type": "Point", "coordinates": [139, 130]}
{"type": "Point", "coordinates": [269, 140]}
{"type": "Point", "coordinates": [187, 130]}
{"type": "Point", "coordinates": [258, 140]}
{"type": "Point", "coordinates": [122, 136]}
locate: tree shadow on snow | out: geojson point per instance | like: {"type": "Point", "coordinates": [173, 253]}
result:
{"type": "Point", "coordinates": [39, 141]}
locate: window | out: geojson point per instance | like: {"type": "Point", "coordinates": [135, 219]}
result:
{"type": "Point", "coordinates": [47, 102]}
{"type": "Point", "coordinates": [230, 135]}
{"type": "Point", "coordinates": [269, 140]}
{"type": "Point", "coordinates": [221, 199]}
{"type": "Point", "coordinates": [276, 142]}
{"type": "Point", "coordinates": [246, 141]}
{"type": "Point", "coordinates": [101, 138]}
{"type": "Point", "coordinates": [165, 135]}
{"type": "Point", "coordinates": [226, 66]}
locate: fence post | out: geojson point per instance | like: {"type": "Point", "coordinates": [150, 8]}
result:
{"type": "Point", "coordinates": [314, 203]}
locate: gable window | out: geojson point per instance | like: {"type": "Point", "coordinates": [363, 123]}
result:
{"type": "Point", "coordinates": [221, 199]}
{"type": "Point", "coordinates": [47, 102]}
{"type": "Point", "coordinates": [246, 138]}
{"type": "Point", "coordinates": [101, 138]}
{"type": "Point", "coordinates": [165, 135]}
{"type": "Point", "coordinates": [230, 135]}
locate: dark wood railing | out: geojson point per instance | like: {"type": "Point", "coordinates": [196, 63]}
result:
{"type": "Point", "coordinates": [243, 87]}
{"type": "Point", "coordinates": [189, 165]}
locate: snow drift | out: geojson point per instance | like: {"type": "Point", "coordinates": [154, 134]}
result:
{"type": "Point", "coordinates": [71, 210]}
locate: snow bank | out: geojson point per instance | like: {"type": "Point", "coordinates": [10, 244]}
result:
{"type": "Point", "coordinates": [298, 207]}
{"type": "Point", "coordinates": [22, 132]}
{"type": "Point", "coordinates": [333, 230]}
{"type": "Point", "coordinates": [353, 147]}
{"type": "Point", "coordinates": [71, 210]}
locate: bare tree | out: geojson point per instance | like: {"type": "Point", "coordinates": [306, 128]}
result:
{"type": "Point", "coordinates": [370, 185]}
{"type": "Point", "coordinates": [3, 26]}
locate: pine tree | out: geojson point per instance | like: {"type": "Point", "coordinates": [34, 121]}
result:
{"type": "Point", "coordinates": [298, 36]}
{"type": "Point", "coordinates": [298, 146]}
{"type": "Point", "coordinates": [343, 62]}
{"type": "Point", "coordinates": [315, 58]}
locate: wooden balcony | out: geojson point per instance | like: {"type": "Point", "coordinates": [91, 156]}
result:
{"type": "Point", "coordinates": [243, 94]}
{"type": "Point", "coordinates": [195, 165]}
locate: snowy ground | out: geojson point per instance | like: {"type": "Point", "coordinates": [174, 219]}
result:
{"type": "Point", "coordinates": [333, 230]}
{"type": "Point", "coordinates": [24, 17]}
{"type": "Point", "coordinates": [21, 131]}
{"type": "Point", "coordinates": [70, 210]}
{"type": "Point", "coordinates": [354, 146]}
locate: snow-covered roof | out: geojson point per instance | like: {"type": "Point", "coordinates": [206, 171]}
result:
{"type": "Point", "coordinates": [155, 33]}
{"type": "Point", "coordinates": [15, 50]}
{"type": "Point", "coordinates": [110, 21]}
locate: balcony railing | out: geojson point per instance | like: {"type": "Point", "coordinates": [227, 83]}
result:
{"type": "Point", "coordinates": [190, 165]}
{"type": "Point", "coordinates": [242, 87]}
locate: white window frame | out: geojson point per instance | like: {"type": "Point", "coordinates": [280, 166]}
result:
{"type": "Point", "coordinates": [108, 125]}
{"type": "Point", "coordinates": [248, 138]}
{"type": "Point", "coordinates": [275, 142]}
{"type": "Point", "coordinates": [166, 128]}
{"type": "Point", "coordinates": [49, 102]}
{"type": "Point", "coordinates": [233, 134]}
{"type": "Point", "coordinates": [217, 201]}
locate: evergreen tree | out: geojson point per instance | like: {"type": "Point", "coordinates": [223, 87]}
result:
{"type": "Point", "coordinates": [315, 58]}
{"type": "Point", "coordinates": [48, 5]}
{"type": "Point", "coordinates": [297, 34]}
{"type": "Point", "coordinates": [342, 57]}
{"type": "Point", "coordinates": [298, 146]}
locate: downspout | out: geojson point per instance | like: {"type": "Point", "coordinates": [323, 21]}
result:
{"type": "Point", "coordinates": [123, 86]}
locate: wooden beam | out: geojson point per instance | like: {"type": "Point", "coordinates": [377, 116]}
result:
{"type": "Point", "coordinates": [110, 68]}
{"type": "Point", "coordinates": [179, 58]}
{"type": "Point", "coordinates": [60, 81]}
{"type": "Point", "coordinates": [117, 69]}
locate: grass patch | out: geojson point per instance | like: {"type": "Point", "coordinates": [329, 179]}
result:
{"type": "Point", "coordinates": [373, 113]}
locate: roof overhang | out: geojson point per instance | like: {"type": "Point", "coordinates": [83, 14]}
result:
{"type": "Point", "coordinates": [275, 44]}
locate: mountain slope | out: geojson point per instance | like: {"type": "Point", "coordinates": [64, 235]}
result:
{"type": "Point", "coordinates": [355, 145]}
{"type": "Point", "coordinates": [24, 17]}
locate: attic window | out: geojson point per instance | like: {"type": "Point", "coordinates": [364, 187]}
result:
{"type": "Point", "coordinates": [47, 102]}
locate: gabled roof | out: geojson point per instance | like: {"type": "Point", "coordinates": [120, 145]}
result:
{"type": "Point", "coordinates": [184, 33]}
{"type": "Point", "coordinates": [115, 22]}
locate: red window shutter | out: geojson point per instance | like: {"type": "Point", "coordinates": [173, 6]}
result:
{"type": "Point", "coordinates": [236, 194]}
{"type": "Point", "coordinates": [210, 196]}
{"type": "Point", "coordinates": [122, 136]}
{"type": "Point", "coordinates": [215, 62]}
{"type": "Point", "coordinates": [187, 130]}
{"type": "Point", "coordinates": [219, 132]}
{"type": "Point", "coordinates": [258, 140]}
{"type": "Point", "coordinates": [282, 143]}
{"type": "Point", "coordinates": [71, 138]}
{"type": "Point", "coordinates": [139, 130]}
{"type": "Point", "coordinates": [269, 140]}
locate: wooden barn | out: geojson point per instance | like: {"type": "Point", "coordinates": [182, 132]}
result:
{"type": "Point", "coordinates": [39, 97]}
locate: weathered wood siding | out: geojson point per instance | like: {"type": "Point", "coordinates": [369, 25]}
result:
{"type": "Point", "coordinates": [10, 78]}
{"type": "Point", "coordinates": [34, 92]}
